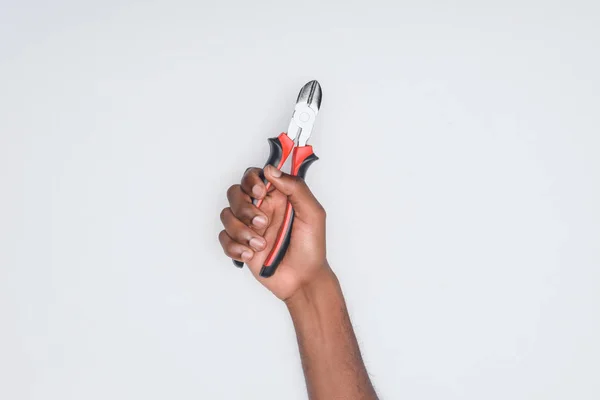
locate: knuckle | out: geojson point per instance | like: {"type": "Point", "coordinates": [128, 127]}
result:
{"type": "Point", "coordinates": [244, 214]}
{"type": "Point", "coordinates": [227, 251]}
{"type": "Point", "coordinates": [241, 210]}
{"type": "Point", "coordinates": [242, 234]}
{"type": "Point", "coordinates": [223, 241]}
{"type": "Point", "coordinates": [251, 171]}
{"type": "Point", "coordinates": [224, 213]}
{"type": "Point", "coordinates": [232, 191]}
{"type": "Point", "coordinates": [251, 176]}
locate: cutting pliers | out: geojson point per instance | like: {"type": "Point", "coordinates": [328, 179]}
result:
{"type": "Point", "coordinates": [293, 142]}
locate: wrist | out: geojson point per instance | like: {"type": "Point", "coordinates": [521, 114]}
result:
{"type": "Point", "coordinates": [322, 286]}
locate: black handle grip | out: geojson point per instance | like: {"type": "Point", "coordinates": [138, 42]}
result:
{"type": "Point", "coordinates": [285, 232]}
{"type": "Point", "coordinates": [275, 157]}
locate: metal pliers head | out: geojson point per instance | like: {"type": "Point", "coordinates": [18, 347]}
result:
{"type": "Point", "coordinates": [305, 113]}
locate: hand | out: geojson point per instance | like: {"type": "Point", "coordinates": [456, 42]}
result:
{"type": "Point", "coordinates": [250, 232]}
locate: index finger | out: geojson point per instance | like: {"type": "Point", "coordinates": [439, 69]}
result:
{"type": "Point", "coordinates": [252, 183]}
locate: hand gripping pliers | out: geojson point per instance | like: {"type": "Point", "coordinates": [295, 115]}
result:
{"type": "Point", "coordinates": [293, 142]}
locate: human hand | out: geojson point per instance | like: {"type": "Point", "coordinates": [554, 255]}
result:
{"type": "Point", "coordinates": [250, 232]}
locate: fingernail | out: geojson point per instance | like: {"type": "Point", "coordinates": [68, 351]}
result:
{"type": "Point", "coordinates": [257, 191]}
{"type": "Point", "coordinates": [246, 255]}
{"type": "Point", "coordinates": [259, 221]}
{"type": "Point", "coordinates": [257, 243]}
{"type": "Point", "coordinates": [274, 171]}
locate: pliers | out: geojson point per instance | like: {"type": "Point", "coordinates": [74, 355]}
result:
{"type": "Point", "coordinates": [293, 142]}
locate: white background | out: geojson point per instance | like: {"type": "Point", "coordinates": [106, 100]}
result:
{"type": "Point", "coordinates": [459, 166]}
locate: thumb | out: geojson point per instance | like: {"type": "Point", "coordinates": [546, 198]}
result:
{"type": "Point", "coordinates": [299, 195]}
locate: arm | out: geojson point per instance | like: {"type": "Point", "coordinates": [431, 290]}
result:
{"type": "Point", "coordinates": [333, 366]}
{"type": "Point", "coordinates": [331, 359]}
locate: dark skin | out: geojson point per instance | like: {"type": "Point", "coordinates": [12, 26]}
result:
{"type": "Point", "coordinates": [331, 359]}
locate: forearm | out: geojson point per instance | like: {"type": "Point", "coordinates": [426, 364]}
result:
{"type": "Point", "coordinates": [331, 359]}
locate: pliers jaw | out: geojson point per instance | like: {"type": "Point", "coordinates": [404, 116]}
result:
{"type": "Point", "coordinates": [305, 113]}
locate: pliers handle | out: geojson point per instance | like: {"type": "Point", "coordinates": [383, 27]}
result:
{"type": "Point", "coordinates": [302, 157]}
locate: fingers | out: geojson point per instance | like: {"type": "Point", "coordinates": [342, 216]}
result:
{"type": "Point", "coordinates": [234, 249]}
{"type": "Point", "coordinates": [304, 202]}
{"type": "Point", "coordinates": [243, 209]}
{"type": "Point", "coordinates": [240, 232]}
{"type": "Point", "coordinates": [252, 183]}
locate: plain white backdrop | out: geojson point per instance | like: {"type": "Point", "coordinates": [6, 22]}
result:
{"type": "Point", "coordinates": [459, 167]}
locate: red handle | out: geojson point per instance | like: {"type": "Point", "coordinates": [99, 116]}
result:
{"type": "Point", "coordinates": [302, 158]}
